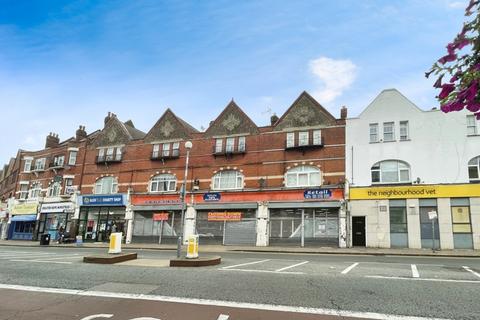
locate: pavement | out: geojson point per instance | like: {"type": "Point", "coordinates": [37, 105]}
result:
{"type": "Point", "coordinates": [270, 249]}
{"type": "Point", "coordinates": [53, 283]}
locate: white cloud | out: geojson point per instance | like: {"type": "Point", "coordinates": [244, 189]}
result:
{"type": "Point", "coordinates": [457, 4]}
{"type": "Point", "coordinates": [334, 76]}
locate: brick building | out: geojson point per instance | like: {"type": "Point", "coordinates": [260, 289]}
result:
{"type": "Point", "coordinates": [245, 185]}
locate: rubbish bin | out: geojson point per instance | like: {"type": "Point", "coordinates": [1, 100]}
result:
{"type": "Point", "coordinates": [45, 239]}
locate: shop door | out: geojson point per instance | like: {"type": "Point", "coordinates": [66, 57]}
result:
{"type": "Point", "coordinates": [358, 231]}
{"type": "Point", "coordinates": [240, 233]}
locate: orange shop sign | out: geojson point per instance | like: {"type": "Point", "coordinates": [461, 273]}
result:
{"type": "Point", "coordinates": [162, 216]}
{"type": "Point", "coordinates": [224, 216]}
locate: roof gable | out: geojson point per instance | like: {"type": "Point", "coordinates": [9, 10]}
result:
{"type": "Point", "coordinates": [169, 127]}
{"type": "Point", "coordinates": [232, 120]}
{"type": "Point", "coordinates": [305, 112]}
{"type": "Point", "coordinates": [115, 132]}
{"type": "Point", "coordinates": [392, 99]}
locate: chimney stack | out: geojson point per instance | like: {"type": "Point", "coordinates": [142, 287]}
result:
{"type": "Point", "coordinates": [273, 119]}
{"type": "Point", "coordinates": [108, 117]}
{"type": "Point", "coordinates": [52, 140]}
{"type": "Point", "coordinates": [80, 134]}
{"type": "Point", "coordinates": [343, 113]}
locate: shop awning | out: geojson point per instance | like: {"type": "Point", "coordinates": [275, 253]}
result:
{"type": "Point", "coordinates": [295, 205]}
{"type": "Point", "coordinates": [26, 217]}
{"type": "Point", "coordinates": [221, 206]}
{"type": "Point", "coordinates": [171, 207]}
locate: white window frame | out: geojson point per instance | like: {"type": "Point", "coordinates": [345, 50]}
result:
{"type": "Point", "coordinates": [293, 175]}
{"type": "Point", "coordinates": [290, 139]}
{"type": "Point", "coordinates": [156, 151]}
{"type": "Point", "coordinates": [404, 125]}
{"type": "Point", "coordinates": [219, 184]}
{"type": "Point", "coordinates": [101, 154]}
{"type": "Point", "coordinates": [401, 166]}
{"type": "Point", "coordinates": [303, 138]}
{"type": "Point", "coordinates": [27, 167]}
{"type": "Point", "coordinates": [35, 190]}
{"type": "Point", "coordinates": [40, 164]}
{"type": "Point", "coordinates": [385, 132]}
{"type": "Point", "coordinates": [68, 183]}
{"type": "Point", "coordinates": [58, 161]}
{"type": "Point", "coordinates": [166, 149]}
{"type": "Point", "coordinates": [72, 158]}
{"type": "Point", "coordinates": [474, 164]}
{"type": "Point", "coordinates": [219, 145]}
{"type": "Point", "coordinates": [176, 149]}
{"type": "Point", "coordinates": [230, 145]}
{"type": "Point", "coordinates": [168, 181]}
{"type": "Point", "coordinates": [472, 128]}
{"type": "Point", "coordinates": [118, 153]}
{"type": "Point", "coordinates": [109, 155]}
{"type": "Point", "coordinates": [99, 186]}
{"type": "Point", "coordinates": [241, 147]}
{"type": "Point", "coordinates": [23, 193]}
{"type": "Point", "coordinates": [373, 132]}
{"type": "Point", "coordinates": [54, 189]}
{"type": "Point", "coordinates": [317, 137]}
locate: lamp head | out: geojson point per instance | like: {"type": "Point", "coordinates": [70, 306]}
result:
{"type": "Point", "coordinates": [188, 145]}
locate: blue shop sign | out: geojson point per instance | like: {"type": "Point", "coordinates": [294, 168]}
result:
{"type": "Point", "coordinates": [212, 196]}
{"type": "Point", "coordinates": [104, 200]}
{"type": "Point", "coordinates": [317, 194]}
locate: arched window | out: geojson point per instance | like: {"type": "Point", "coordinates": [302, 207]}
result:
{"type": "Point", "coordinates": [54, 189]}
{"type": "Point", "coordinates": [474, 169]}
{"type": "Point", "coordinates": [35, 190]}
{"type": "Point", "coordinates": [391, 171]}
{"type": "Point", "coordinates": [303, 176]}
{"type": "Point", "coordinates": [106, 185]}
{"type": "Point", "coordinates": [163, 183]}
{"type": "Point", "coordinates": [228, 179]}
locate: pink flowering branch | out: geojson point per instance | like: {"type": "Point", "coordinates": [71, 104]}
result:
{"type": "Point", "coordinates": [462, 91]}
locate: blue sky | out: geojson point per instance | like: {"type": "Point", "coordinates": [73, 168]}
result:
{"type": "Point", "coordinates": [66, 63]}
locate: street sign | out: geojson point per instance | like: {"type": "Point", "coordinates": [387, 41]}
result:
{"type": "Point", "coordinates": [212, 196]}
{"type": "Point", "coordinates": [162, 216]}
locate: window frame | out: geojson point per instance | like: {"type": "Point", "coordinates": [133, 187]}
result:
{"type": "Point", "coordinates": [404, 125]}
{"type": "Point", "coordinates": [158, 181]}
{"type": "Point", "coordinates": [35, 190]}
{"type": "Point", "coordinates": [305, 140]}
{"type": "Point", "coordinates": [29, 162]}
{"type": "Point", "coordinates": [242, 144]}
{"type": "Point", "coordinates": [41, 161]}
{"type": "Point", "coordinates": [373, 134]}
{"type": "Point", "coordinates": [230, 145]}
{"type": "Point", "coordinates": [100, 183]}
{"type": "Point", "coordinates": [219, 145]}
{"type": "Point", "coordinates": [300, 174]}
{"type": "Point", "coordinates": [290, 139]}
{"type": "Point", "coordinates": [218, 184]}
{"type": "Point", "coordinates": [23, 194]}
{"type": "Point", "coordinates": [72, 158]}
{"type": "Point", "coordinates": [472, 125]}
{"type": "Point", "coordinates": [385, 125]}
{"type": "Point", "coordinates": [54, 189]}
{"type": "Point", "coordinates": [476, 167]}
{"type": "Point", "coordinates": [377, 169]}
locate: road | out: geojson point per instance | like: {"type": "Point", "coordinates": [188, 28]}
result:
{"type": "Point", "coordinates": [53, 283]}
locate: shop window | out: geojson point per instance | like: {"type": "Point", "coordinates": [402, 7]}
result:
{"type": "Point", "coordinates": [303, 176]}
{"type": "Point", "coordinates": [461, 223]}
{"type": "Point", "coordinates": [39, 164]}
{"type": "Point", "coordinates": [106, 185]}
{"type": "Point", "coordinates": [389, 131]}
{"type": "Point", "coordinates": [390, 171]}
{"type": "Point", "coordinates": [403, 130]}
{"type": "Point", "coordinates": [163, 183]}
{"type": "Point", "coordinates": [23, 193]}
{"type": "Point", "coordinates": [228, 179]}
{"type": "Point", "coordinates": [398, 223]}
{"type": "Point", "coordinates": [474, 169]}
{"type": "Point", "coordinates": [54, 189]}
{"type": "Point", "coordinates": [72, 158]}
{"type": "Point", "coordinates": [472, 126]}
{"type": "Point", "coordinates": [373, 132]}
{"type": "Point", "coordinates": [35, 190]}
{"type": "Point", "coordinates": [28, 165]}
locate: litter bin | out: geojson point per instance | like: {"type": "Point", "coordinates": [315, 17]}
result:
{"type": "Point", "coordinates": [45, 239]}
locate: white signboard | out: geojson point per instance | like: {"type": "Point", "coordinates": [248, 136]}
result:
{"type": "Point", "coordinates": [432, 215]}
{"type": "Point", "coordinates": [57, 207]}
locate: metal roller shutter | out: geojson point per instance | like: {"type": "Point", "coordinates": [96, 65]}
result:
{"type": "Point", "coordinates": [240, 233]}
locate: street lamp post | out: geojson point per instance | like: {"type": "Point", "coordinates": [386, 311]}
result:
{"type": "Point", "coordinates": [188, 147]}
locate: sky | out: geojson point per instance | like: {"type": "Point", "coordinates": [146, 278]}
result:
{"type": "Point", "coordinates": [68, 63]}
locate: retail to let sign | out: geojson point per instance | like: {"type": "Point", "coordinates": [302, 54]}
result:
{"type": "Point", "coordinates": [317, 194]}
{"type": "Point", "coordinates": [162, 216]}
{"type": "Point", "coordinates": [25, 208]}
{"type": "Point", "coordinates": [212, 196]}
{"type": "Point", "coordinates": [417, 191]}
{"type": "Point", "coordinates": [57, 207]}
{"type": "Point", "coordinates": [104, 200]}
{"type": "Point", "coordinates": [224, 216]}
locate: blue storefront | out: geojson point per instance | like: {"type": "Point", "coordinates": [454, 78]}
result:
{"type": "Point", "coordinates": [22, 221]}
{"type": "Point", "coordinates": [101, 215]}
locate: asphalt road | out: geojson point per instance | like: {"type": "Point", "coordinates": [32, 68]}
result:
{"type": "Point", "coordinates": [244, 286]}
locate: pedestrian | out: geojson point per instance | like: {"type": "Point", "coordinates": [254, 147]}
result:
{"type": "Point", "coordinates": [61, 231]}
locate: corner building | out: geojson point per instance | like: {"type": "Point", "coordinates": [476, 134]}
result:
{"type": "Point", "coordinates": [402, 165]}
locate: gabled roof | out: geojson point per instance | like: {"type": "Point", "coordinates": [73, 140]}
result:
{"type": "Point", "coordinates": [305, 111]}
{"type": "Point", "coordinates": [389, 94]}
{"type": "Point", "coordinates": [232, 120]}
{"type": "Point", "coordinates": [116, 132]}
{"type": "Point", "coordinates": [169, 127]}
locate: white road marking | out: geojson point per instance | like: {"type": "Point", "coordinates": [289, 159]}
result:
{"type": "Point", "coordinates": [25, 255]}
{"type": "Point", "coordinates": [347, 270]}
{"type": "Point", "coordinates": [223, 317]}
{"type": "Point", "coordinates": [415, 273]}
{"type": "Point", "coordinates": [41, 261]}
{"type": "Point", "coordinates": [423, 279]}
{"type": "Point", "coordinates": [217, 303]}
{"type": "Point", "coordinates": [471, 271]}
{"type": "Point", "coordinates": [261, 271]}
{"type": "Point", "coordinates": [74, 256]}
{"type": "Point", "coordinates": [97, 316]}
{"type": "Point", "coordinates": [292, 266]}
{"type": "Point", "coordinates": [246, 264]}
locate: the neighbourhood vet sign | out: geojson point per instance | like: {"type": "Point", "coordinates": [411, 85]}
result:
{"type": "Point", "coordinates": [104, 200]}
{"type": "Point", "coordinates": [317, 194]}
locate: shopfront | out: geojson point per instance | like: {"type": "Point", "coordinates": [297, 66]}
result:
{"type": "Point", "coordinates": [419, 216]}
{"type": "Point", "coordinates": [100, 215]}
{"type": "Point", "coordinates": [22, 221]}
{"type": "Point", "coordinates": [56, 217]}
